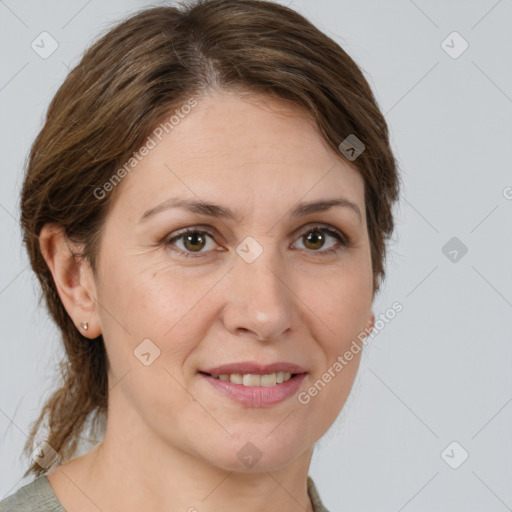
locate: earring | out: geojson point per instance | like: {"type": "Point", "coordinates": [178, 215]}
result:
{"type": "Point", "coordinates": [84, 325]}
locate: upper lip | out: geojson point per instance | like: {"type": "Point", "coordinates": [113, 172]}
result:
{"type": "Point", "coordinates": [255, 368]}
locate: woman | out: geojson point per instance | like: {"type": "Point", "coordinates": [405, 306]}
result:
{"type": "Point", "coordinates": [206, 208]}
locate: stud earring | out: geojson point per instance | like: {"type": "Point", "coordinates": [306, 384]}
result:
{"type": "Point", "coordinates": [84, 325]}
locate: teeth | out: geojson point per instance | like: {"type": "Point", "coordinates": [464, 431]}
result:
{"type": "Point", "coordinates": [248, 379]}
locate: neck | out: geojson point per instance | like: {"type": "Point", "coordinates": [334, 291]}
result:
{"type": "Point", "coordinates": [134, 469]}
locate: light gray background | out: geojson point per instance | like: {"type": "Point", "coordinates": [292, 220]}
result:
{"type": "Point", "coordinates": [440, 371]}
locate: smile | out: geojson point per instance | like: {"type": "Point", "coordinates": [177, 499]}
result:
{"type": "Point", "coordinates": [252, 391]}
{"type": "Point", "coordinates": [248, 379]}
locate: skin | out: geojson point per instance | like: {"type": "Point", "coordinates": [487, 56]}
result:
{"type": "Point", "coordinates": [171, 440]}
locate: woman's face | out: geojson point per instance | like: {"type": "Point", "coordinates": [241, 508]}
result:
{"type": "Point", "coordinates": [268, 286]}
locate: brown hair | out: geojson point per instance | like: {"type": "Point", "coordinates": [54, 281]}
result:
{"type": "Point", "coordinates": [124, 85]}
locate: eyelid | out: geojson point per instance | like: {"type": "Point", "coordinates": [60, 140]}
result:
{"type": "Point", "coordinates": [204, 228]}
{"type": "Point", "coordinates": [320, 225]}
{"type": "Point", "coordinates": [343, 240]}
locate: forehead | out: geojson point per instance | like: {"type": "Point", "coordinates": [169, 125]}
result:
{"type": "Point", "coordinates": [235, 150]}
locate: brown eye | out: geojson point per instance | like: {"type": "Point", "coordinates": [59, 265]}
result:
{"type": "Point", "coordinates": [314, 239]}
{"type": "Point", "coordinates": [191, 243]}
{"type": "Point", "coordinates": [194, 241]}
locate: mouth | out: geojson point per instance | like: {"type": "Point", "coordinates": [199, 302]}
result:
{"type": "Point", "coordinates": [254, 379]}
{"type": "Point", "coordinates": [252, 384]}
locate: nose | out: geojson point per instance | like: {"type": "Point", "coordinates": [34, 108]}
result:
{"type": "Point", "coordinates": [259, 298]}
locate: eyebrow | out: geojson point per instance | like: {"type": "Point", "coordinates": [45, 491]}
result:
{"type": "Point", "coordinates": [215, 210]}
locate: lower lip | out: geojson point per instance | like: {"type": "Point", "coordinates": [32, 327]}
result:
{"type": "Point", "coordinates": [257, 396]}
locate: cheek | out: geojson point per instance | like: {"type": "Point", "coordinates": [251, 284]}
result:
{"type": "Point", "coordinates": [150, 297]}
{"type": "Point", "coordinates": [342, 309]}
{"type": "Point", "coordinates": [343, 302]}
{"type": "Point", "coordinates": [155, 301]}
{"type": "Point", "coordinates": [148, 336]}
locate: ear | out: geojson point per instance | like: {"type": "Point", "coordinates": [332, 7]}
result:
{"type": "Point", "coordinates": [73, 278]}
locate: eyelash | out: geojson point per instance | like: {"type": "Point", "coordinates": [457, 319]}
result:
{"type": "Point", "coordinates": [344, 241]}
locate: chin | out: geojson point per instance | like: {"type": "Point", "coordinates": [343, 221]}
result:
{"type": "Point", "coordinates": [258, 451]}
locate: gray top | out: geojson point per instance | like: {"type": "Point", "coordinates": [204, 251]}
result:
{"type": "Point", "coordinates": [35, 496]}
{"type": "Point", "coordinates": [38, 496]}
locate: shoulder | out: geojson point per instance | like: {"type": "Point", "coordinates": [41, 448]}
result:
{"type": "Point", "coordinates": [38, 496]}
{"type": "Point", "coordinates": [35, 496]}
